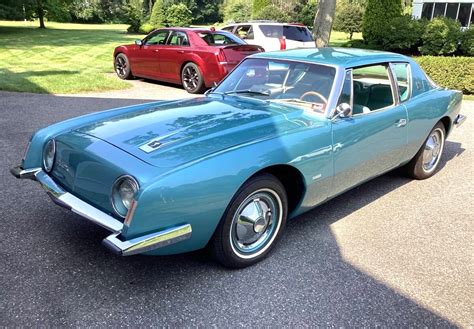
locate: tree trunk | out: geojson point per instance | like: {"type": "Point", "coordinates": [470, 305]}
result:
{"type": "Point", "coordinates": [40, 13]}
{"type": "Point", "coordinates": [323, 22]}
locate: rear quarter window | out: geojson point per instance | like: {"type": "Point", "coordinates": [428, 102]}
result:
{"type": "Point", "coordinates": [290, 32]}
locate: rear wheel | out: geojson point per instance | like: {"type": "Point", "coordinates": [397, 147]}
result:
{"type": "Point", "coordinates": [192, 79]}
{"type": "Point", "coordinates": [122, 67]}
{"type": "Point", "coordinates": [425, 162]}
{"type": "Point", "coordinates": [252, 223]}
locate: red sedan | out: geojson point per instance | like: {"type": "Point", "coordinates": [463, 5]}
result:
{"type": "Point", "coordinates": [195, 58]}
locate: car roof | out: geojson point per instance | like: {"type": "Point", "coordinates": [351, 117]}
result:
{"type": "Point", "coordinates": [192, 29]}
{"type": "Point", "coordinates": [343, 57]}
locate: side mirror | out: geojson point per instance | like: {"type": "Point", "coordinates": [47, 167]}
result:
{"type": "Point", "coordinates": [343, 110]}
{"type": "Point", "coordinates": [139, 42]}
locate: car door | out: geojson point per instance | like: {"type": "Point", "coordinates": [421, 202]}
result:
{"type": "Point", "coordinates": [146, 61]}
{"type": "Point", "coordinates": [172, 55]}
{"type": "Point", "coordinates": [373, 139]}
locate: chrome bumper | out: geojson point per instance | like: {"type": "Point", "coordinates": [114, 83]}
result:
{"type": "Point", "coordinates": [459, 120]}
{"type": "Point", "coordinates": [113, 242]}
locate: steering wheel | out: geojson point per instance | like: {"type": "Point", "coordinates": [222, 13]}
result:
{"type": "Point", "coordinates": [314, 93]}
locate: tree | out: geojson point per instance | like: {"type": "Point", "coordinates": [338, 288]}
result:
{"type": "Point", "coordinates": [237, 11]}
{"type": "Point", "coordinates": [178, 15]}
{"type": "Point", "coordinates": [258, 5]}
{"type": "Point", "coordinates": [349, 19]}
{"type": "Point", "coordinates": [323, 22]}
{"type": "Point", "coordinates": [377, 17]}
{"type": "Point", "coordinates": [273, 13]}
{"type": "Point", "coordinates": [305, 12]}
{"type": "Point", "coordinates": [157, 18]}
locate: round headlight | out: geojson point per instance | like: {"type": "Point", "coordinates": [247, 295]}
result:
{"type": "Point", "coordinates": [49, 153]}
{"type": "Point", "coordinates": [123, 192]}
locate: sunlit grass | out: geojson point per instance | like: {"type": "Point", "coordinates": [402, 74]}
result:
{"type": "Point", "coordinates": [340, 38]}
{"type": "Point", "coordinates": [64, 58]}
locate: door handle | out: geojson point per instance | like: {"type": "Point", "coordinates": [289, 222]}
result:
{"type": "Point", "coordinates": [401, 123]}
{"type": "Point", "coordinates": [156, 51]}
{"type": "Point", "coordinates": [180, 51]}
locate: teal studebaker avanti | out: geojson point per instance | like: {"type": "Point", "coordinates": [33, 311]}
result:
{"type": "Point", "coordinates": [282, 133]}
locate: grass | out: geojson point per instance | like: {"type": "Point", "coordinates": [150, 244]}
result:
{"type": "Point", "coordinates": [339, 39]}
{"type": "Point", "coordinates": [64, 58]}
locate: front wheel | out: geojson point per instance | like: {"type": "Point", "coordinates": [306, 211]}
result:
{"type": "Point", "coordinates": [122, 67]}
{"type": "Point", "coordinates": [425, 162]}
{"type": "Point", "coordinates": [192, 79]}
{"type": "Point", "coordinates": [252, 223]}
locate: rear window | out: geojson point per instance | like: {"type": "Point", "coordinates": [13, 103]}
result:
{"type": "Point", "coordinates": [291, 32]}
{"type": "Point", "coordinates": [220, 39]}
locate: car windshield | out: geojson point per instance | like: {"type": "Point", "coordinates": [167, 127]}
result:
{"type": "Point", "coordinates": [220, 39]}
{"type": "Point", "coordinates": [290, 32]}
{"type": "Point", "coordinates": [304, 85]}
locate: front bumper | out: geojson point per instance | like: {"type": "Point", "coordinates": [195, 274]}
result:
{"type": "Point", "coordinates": [114, 241]}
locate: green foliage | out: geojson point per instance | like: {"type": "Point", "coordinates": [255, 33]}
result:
{"type": "Point", "coordinates": [450, 72]}
{"type": "Point", "coordinates": [378, 14]}
{"type": "Point", "coordinates": [178, 15]}
{"type": "Point", "coordinates": [273, 13]}
{"type": "Point", "coordinates": [441, 37]}
{"type": "Point", "coordinates": [157, 17]}
{"type": "Point", "coordinates": [403, 34]}
{"type": "Point", "coordinates": [467, 42]}
{"type": "Point", "coordinates": [146, 28]}
{"type": "Point", "coordinates": [349, 19]}
{"type": "Point", "coordinates": [259, 5]}
{"type": "Point", "coordinates": [10, 11]}
{"type": "Point", "coordinates": [238, 11]}
{"type": "Point", "coordinates": [305, 14]}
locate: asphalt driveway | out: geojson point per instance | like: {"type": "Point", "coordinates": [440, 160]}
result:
{"type": "Point", "coordinates": [392, 252]}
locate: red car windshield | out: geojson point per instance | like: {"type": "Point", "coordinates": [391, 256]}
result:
{"type": "Point", "coordinates": [220, 39]}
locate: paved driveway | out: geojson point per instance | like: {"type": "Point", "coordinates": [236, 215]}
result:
{"type": "Point", "coordinates": [392, 252]}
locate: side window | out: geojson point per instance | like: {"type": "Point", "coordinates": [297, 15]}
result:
{"type": "Point", "coordinates": [401, 73]}
{"type": "Point", "coordinates": [178, 38]}
{"type": "Point", "coordinates": [228, 29]}
{"type": "Point", "coordinates": [157, 38]}
{"type": "Point", "coordinates": [372, 88]}
{"type": "Point", "coordinates": [346, 93]}
{"type": "Point", "coordinates": [244, 32]}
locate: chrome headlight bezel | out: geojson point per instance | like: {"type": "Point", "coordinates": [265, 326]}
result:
{"type": "Point", "coordinates": [49, 155]}
{"type": "Point", "coordinates": [119, 205]}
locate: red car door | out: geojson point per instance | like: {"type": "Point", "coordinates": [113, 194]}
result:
{"type": "Point", "coordinates": [172, 55]}
{"type": "Point", "coordinates": [146, 59]}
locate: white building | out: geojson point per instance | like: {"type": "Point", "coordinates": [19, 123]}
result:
{"type": "Point", "coordinates": [460, 10]}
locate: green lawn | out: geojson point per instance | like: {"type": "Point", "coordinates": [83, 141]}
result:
{"type": "Point", "coordinates": [64, 58]}
{"type": "Point", "coordinates": [340, 38]}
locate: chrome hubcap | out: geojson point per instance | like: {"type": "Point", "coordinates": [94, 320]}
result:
{"type": "Point", "coordinates": [120, 66]}
{"type": "Point", "coordinates": [256, 222]}
{"type": "Point", "coordinates": [190, 78]}
{"type": "Point", "coordinates": [433, 150]}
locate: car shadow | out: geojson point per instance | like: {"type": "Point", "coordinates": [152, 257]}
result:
{"type": "Point", "coordinates": [56, 267]}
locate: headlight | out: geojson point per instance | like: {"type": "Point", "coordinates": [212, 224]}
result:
{"type": "Point", "coordinates": [123, 192]}
{"type": "Point", "coordinates": [49, 152]}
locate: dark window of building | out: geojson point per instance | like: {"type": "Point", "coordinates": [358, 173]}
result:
{"type": "Point", "coordinates": [452, 10]}
{"type": "Point", "coordinates": [464, 13]}
{"type": "Point", "coordinates": [427, 10]}
{"type": "Point", "coordinates": [439, 9]}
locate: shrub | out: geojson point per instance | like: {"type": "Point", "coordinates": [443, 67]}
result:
{"type": "Point", "coordinates": [441, 37]}
{"type": "Point", "coordinates": [403, 34]}
{"type": "Point", "coordinates": [259, 5]}
{"type": "Point", "coordinates": [377, 15]}
{"type": "Point", "coordinates": [467, 42]}
{"type": "Point", "coordinates": [306, 14]}
{"type": "Point", "coordinates": [146, 28]}
{"type": "Point", "coordinates": [178, 15]}
{"type": "Point", "coordinates": [238, 11]}
{"type": "Point", "coordinates": [135, 16]}
{"type": "Point", "coordinates": [274, 13]}
{"type": "Point", "coordinates": [349, 19]}
{"type": "Point", "coordinates": [450, 72]}
{"type": "Point", "coordinates": [157, 17]}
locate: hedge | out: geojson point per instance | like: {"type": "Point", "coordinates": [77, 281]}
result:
{"type": "Point", "coordinates": [450, 72]}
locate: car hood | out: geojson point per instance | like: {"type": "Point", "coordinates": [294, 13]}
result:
{"type": "Point", "coordinates": [171, 134]}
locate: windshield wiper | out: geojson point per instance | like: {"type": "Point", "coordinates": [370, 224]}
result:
{"type": "Point", "coordinates": [248, 91]}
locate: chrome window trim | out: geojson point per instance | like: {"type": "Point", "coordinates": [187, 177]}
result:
{"type": "Point", "coordinates": [409, 79]}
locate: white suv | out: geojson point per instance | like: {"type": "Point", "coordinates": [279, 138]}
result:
{"type": "Point", "coordinates": [273, 36]}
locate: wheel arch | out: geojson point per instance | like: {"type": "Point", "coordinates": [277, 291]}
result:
{"type": "Point", "coordinates": [447, 124]}
{"type": "Point", "coordinates": [292, 180]}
